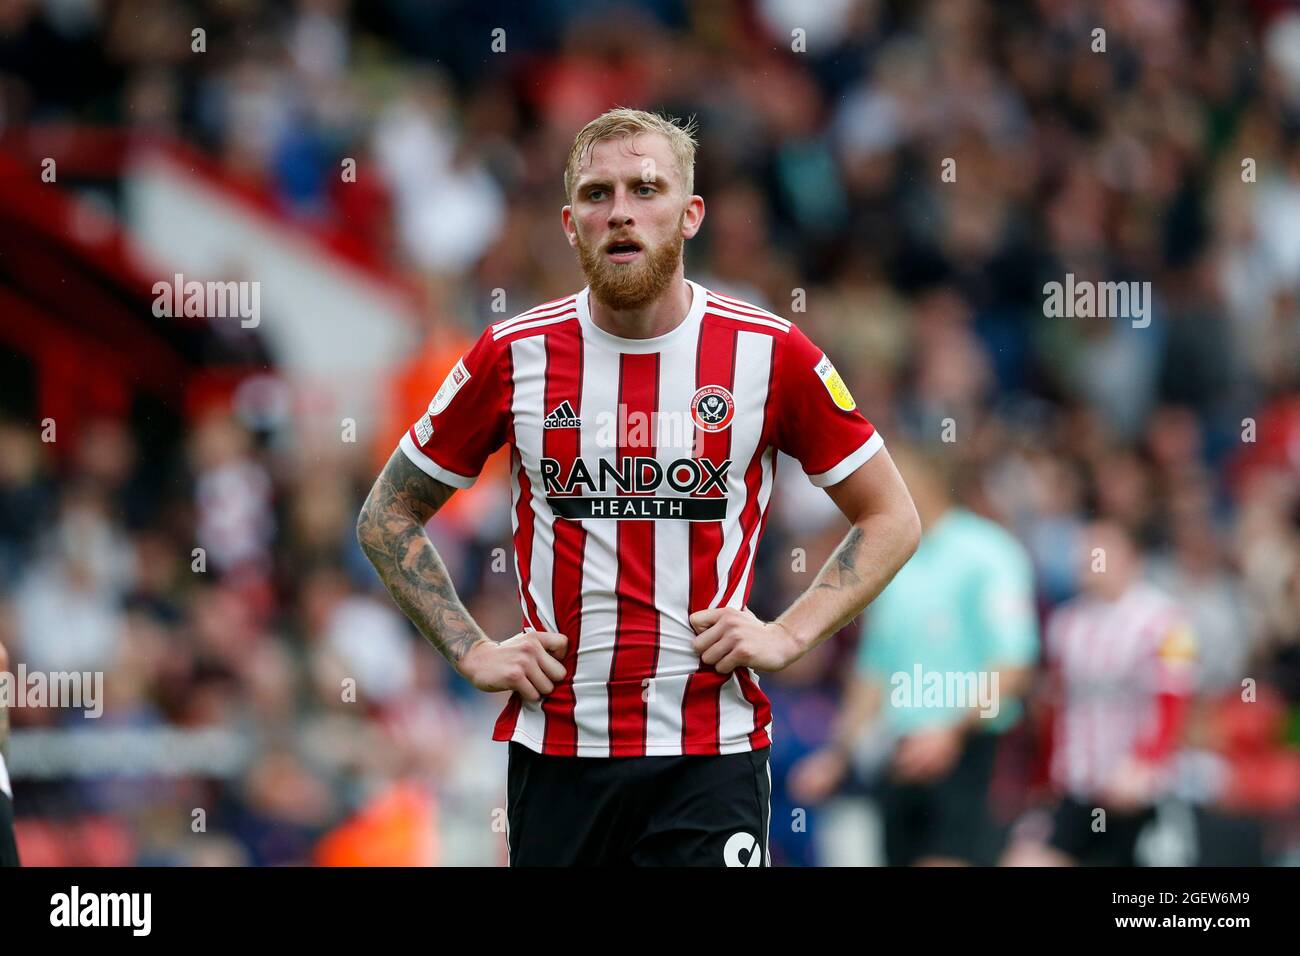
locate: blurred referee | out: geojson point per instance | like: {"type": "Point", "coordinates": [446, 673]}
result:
{"type": "Point", "coordinates": [964, 605]}
{"type": "Point", "coordinates": [8, 844]}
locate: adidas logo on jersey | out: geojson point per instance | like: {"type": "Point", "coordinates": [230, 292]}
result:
{"type": "Point", "coordinates": [562, 416]}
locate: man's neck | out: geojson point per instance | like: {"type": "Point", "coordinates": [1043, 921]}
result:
{"type": "Point", "coordinates": [1118, 590]}
{"type": "Point", "coordinates": [649, 321]}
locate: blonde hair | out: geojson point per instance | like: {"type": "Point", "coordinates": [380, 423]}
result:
{"type": "Point", "coordinates": [620, 122]}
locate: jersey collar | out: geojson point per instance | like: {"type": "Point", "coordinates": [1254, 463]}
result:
{"type": "Point", "coordinates": [595, 333]}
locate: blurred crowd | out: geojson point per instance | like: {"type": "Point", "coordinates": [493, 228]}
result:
{"type": "Point", "coordinates": [909, 175]}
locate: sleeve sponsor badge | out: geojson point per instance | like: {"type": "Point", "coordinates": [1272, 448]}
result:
{"type": "Point", "coordinates": [423, 430]}
{"type": "Point", "coordinates": [834, 384]}
{"type": "Point", "coordinates": [456, 378]}
{"type": "Point", "coordinates": [1178, 645]}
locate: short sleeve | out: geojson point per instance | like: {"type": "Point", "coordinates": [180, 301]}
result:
{"type": "Point", "coordinates": [1010, 622]}
{"type": "Point", "coordinates": [1175, 654]}
{"type": "Point", "coordinates": [467, 419]}
{"type": "Point", "coordinates": [817, 422]}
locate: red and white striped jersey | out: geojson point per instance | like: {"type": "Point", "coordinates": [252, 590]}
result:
{"type": "Point", "coordinates": [1115, 667]}
{"type": "Point", "coordinates": [641, 473]}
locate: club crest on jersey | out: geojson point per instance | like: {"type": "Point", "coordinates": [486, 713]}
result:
{"type": "Point", "coordinates": [712, 408]}
{"type": "Point", "coordinates": [456, 378]}
{"type": "Point", "coordinates": [840, 393]}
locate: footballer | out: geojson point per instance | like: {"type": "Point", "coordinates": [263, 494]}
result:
{"type": "Point", "coordinates": [643, 414]}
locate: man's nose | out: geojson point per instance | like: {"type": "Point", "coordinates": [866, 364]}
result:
{"type": "Point", "coordinates": [620, 214]}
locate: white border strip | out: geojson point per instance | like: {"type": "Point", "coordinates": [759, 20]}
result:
{"type": "Point", "coordinates": [431, 467]}
{"type": "Point", "coordinates": [850, 464]}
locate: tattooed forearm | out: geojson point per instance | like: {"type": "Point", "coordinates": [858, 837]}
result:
{"type": "Point", "coordinates": [391, 532]}
{"type": "Point", "coordinates": [843, 578]}
{"type": "Point", "coordinates": [841, 570]}
{"type": "Point", "coordinates": [863, 563]}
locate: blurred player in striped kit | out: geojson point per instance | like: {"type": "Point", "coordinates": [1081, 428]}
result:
{"type": "Point", "coordinates": [1119, 661]}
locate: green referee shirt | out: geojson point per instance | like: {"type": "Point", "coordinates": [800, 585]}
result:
{"type": "Point", "coordinates": [961, 606]}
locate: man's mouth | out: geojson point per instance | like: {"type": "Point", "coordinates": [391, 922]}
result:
{"type": "Point", "coordinates": [623, 251]}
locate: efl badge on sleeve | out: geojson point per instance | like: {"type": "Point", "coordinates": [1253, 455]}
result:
{"type": "Point", "coordinates": [834, 384]}
{"type": "Point", "coordinates": [1178, 646]}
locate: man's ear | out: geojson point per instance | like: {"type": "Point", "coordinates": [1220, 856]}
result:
{"type": "Point", "coordinates": [692, 216]}
{"type": "Point", "coordinates": [567, 224]}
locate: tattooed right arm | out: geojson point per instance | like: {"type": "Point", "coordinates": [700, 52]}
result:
{"type": "Point", "coordinates": [391, 531]}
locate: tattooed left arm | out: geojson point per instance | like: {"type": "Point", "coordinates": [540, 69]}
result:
{"type": "Point", "coordinates": [886, 531]}
{"type": "Point", "coordinates": [884, 535]}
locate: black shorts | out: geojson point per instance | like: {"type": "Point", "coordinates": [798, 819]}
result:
{"type": "Point", "coordinates": [8, 844]}
{"type": "Point", "coordinates": [638, 811]}
{"type": "Point", "coordinates": [947, 817]}
{"type": "Point", "coordinates": [1074, 833]}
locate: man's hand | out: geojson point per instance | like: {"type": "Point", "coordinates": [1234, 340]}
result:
{"type": "Point", "coordinates": [1132, 786]}
{"type": "Point", "coordinates": [817, 776]}
{"type": "Point", "coordinates": [528, 663]}
{"type": "Point", "coordinates": [927, 754]}
{"type": "Point", "coordinates": [727, 639]}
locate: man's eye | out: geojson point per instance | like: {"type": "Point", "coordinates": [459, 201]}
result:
{"type": "Point", "coordinates": [596, 195]}
{"type": "Point", "coordinates": [646, 189]}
